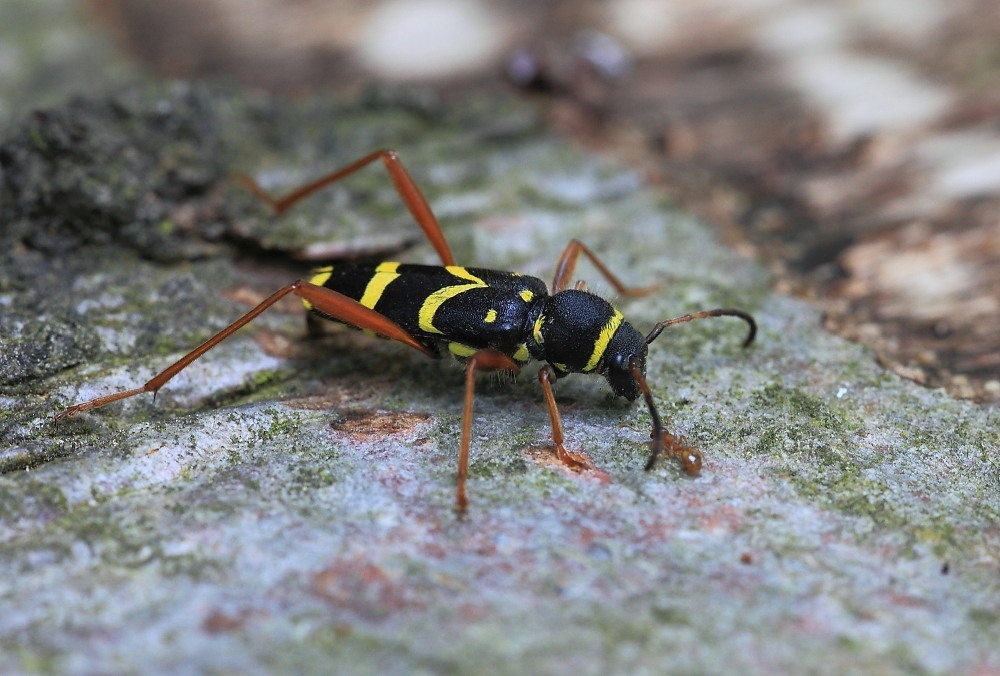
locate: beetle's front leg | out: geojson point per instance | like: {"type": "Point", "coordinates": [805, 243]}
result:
{"type": "Point", "coordinates": [546, 375]}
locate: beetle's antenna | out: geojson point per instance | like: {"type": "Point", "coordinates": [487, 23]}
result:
{"type": "Point", "coordinates": [745, 316]}
{"type": "Point", "coordinates": [690, 457]}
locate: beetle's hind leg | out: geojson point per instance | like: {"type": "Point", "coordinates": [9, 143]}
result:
{"type": "Point", "coordinates": [411, 195]}
{"type": "Point", "coordinates": [324, 300]}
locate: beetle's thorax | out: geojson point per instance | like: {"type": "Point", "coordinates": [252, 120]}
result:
{"type": "Point", "coordinates": [579, 332]}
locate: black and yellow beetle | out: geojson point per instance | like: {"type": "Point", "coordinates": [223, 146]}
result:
{"type": "Point", "coordinates": [490, 319]}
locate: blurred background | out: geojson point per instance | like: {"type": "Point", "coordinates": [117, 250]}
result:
{"type": "Point", "coordinates": [852, 146]}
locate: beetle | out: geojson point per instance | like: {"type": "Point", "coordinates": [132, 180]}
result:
{"type": "Point", "coordinates": [489, 319]}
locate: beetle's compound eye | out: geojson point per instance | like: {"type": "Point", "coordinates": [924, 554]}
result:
{"type": "Point", "coordinates": [626, 347]}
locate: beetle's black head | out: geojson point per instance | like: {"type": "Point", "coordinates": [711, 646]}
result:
{"type": "Point", "coordinates": [627, 343]}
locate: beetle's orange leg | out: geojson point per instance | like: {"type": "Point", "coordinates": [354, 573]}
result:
{"type": "Point", "coordinates": [546, 374]}
{"type": "Point", "coordinates": [483, 360]}
{"type": "Point", "coordinates": [326, 301]}
{"type": "Point", "coordinates": [408, 191]}
{"type": "Point", "coordinates": [567, 264]}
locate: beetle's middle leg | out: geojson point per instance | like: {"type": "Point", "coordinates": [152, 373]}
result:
{"type": "Point", "coordinates": [567, 264]}
{"type": "Point", "coordinates": [483, 360]}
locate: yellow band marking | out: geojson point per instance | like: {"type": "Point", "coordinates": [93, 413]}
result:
{"type": "Point", "coordinates": [527, 295]}
{"type": "Point", "coordinates": [537, 330]}
{"type": "Point", "coordinates": [462, 273]}
{"type": "Point", "coordinates": [437, 299]}
{"type": "Point", "coordinates": [521, 354]}
{"type": "Point", "coordinates": [491, 316]}
{"type": "Point", "coordinates": [561, 367]}
{"type": "Point", "coordinates": [320, 275]}
{"type": "Point", "coordinates": [384, 275]}
{"type": "Point", "coordinates": [460, 350]}
{"type": "Point", "coordinates": [601, 344]}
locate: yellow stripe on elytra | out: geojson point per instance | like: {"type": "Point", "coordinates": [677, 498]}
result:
{"type": "Point", "coordinates": [521, 354]}
{"type": "Point", "coordinates": [320, 275]}
{"type": "Point", "coordinates": [462, 273]}
{"type": "Point", "coordinates": [384, 275]}
{"type": "Point", "coordinates": [437, 299]}
{"type": "Point", "coordinates": [601, 344]}
{"type": "Point", "coordinates": [460, 350]}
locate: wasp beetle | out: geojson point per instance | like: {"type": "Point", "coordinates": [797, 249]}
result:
{"type": "Point", "coordinates": [489, 319]}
